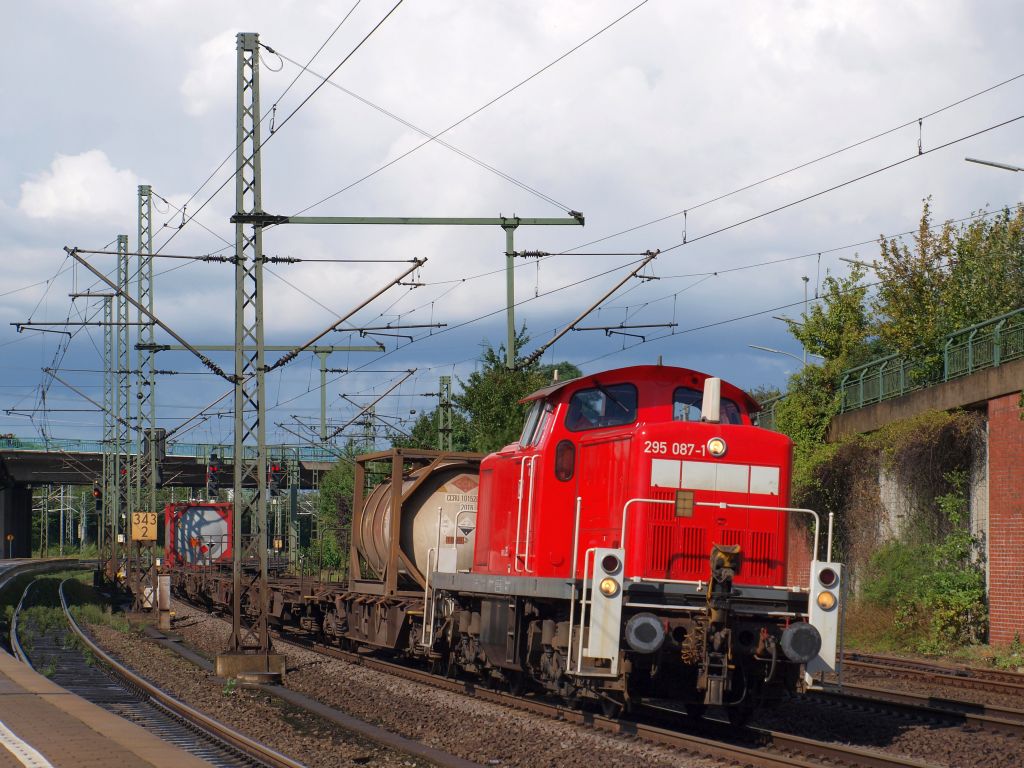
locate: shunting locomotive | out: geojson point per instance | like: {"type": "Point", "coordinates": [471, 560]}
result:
{"type": "Point", "coordinates": [634, 543]}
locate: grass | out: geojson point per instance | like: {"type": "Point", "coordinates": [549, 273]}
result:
{"type": "Point", "coordinates": [873, 629]}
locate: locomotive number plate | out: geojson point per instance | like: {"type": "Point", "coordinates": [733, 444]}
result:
{"type": "Point", "coordinates": [663, 448]}
{"type": "Point", "coordinates": [143, 526]}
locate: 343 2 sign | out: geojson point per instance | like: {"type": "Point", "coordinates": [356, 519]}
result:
{"type": "Point", "coordinates": [143, 526]}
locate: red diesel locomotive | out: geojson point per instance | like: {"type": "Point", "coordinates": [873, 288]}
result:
{"type": "Point", "coordinates": [633, 543]}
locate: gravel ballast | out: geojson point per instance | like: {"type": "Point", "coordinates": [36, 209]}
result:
{"type": "Point", "coordinates": [485, 733]}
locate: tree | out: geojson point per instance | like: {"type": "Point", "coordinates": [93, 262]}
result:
{"type": "Point", "coordinates": [986, 269]}
{"type": "Point", "coordinates": [334, 513]}
{"type": "Point", "coordinates": [838, 328]}
{"type": "Point", "coordinates": [912, 284]}
{"type": "Point", "coordinates": [762, 393]}
{"type": "Point", "coordinates": [490, 396]}
{"type": "Point", "coordinates": [424, 433]}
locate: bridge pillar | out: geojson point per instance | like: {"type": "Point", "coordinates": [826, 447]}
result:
{"type": "Point", "coordinates": [1006, 518]}
{"type": "Point", "coordinates": [16, 518]}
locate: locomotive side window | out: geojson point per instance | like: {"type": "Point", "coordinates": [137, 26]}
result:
{"type": "Point", "coordinates": [686, 405]}
{"type": "Point", "coordinates": [536, 418]}
{"type": "Point", "coordinates": [602, 406]}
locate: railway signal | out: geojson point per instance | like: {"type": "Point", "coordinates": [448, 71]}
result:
{"type": "Point", "coordinates": [213, 472]}
{"type": "Point", "coordinates": [277, 477]}
{"type": "Point", "coordinates": [97, 495]}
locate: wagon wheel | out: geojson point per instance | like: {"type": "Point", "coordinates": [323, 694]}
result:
{"type": "Point", "coordinates": [612, 705]}
{"type": "Point", "coordinates": [516, 682]}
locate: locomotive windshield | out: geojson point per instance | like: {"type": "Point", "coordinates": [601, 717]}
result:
{"type": "Point", "coordinates": [602, 406]}
{"type": "Point", "coordinates": [686, 405]}
{"type": "Point", "coordinates": [534, 425]}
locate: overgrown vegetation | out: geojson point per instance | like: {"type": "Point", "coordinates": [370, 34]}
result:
{"type": "Point", "coordinates": [919, 573]}
{"type": "Point", "coordinates": [934, 588]}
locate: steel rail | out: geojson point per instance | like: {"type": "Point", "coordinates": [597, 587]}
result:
{"type": "Point", "coordinates": [197, 719]}
{"type": "Point", "coordinates": [789, 750]}
{"type": "Point", "coordinates": [926, 707]}
{"type": "Point", "coordinates": [19, 652]}
{"type": "Point", "coordinates": [990, 681]}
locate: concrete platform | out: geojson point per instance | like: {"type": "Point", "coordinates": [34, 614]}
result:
{"type": "Point", "coordinates": [66, 730]}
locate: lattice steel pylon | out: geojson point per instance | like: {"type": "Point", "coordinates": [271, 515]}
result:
{"type": "Point", "coordinates": [144, 498]}
{"type": "Point", "coordinates": [122, 401]}
{"type": "Point", "coordinates": [145, 367]}
{"type": "Point", "coordinates": [249, 633]}
{"type": "Point", "coordinates": [105, 526]}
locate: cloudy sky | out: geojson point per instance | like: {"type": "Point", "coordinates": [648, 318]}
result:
{"type": "Point", "coordinates": [676, 104]}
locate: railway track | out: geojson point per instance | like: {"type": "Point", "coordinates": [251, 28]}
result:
{"type": "Point", "coordinates": [927, 708]}
{"type": "Point", "coordinates": [972, 678]}
{"type": "Point", "coordinates": [760, 748]}
{"type": "Point", "coordinates": [57, 652]}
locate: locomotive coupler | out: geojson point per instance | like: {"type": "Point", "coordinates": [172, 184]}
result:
{"type": "Point", "coordinates": [715, 676]}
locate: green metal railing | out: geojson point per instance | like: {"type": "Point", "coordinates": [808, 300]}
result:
{"type": "Point", "coordinates": [985, 345]}
{"type": "Point", "coordinates": [766, 416]}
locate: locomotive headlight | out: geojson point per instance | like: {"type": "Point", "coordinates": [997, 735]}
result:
{"type": "Point", "coordinates": [826, 601]}
{"type": "Point", "coordinates": [609, 587]}
{"type": "Point", "coordinates": [717, 447]}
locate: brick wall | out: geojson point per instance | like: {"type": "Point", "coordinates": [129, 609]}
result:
{"type": "Point", "coordinates": [798, 554]}
{"type": "Point", "coordinates": [1006, 518]}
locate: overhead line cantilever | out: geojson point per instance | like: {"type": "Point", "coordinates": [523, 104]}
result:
{"type": "Point", "coordinates": [73, 253]}
{"type": "Point", "coordinates": [289, 356]}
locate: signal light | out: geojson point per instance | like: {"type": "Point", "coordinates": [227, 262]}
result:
{"type": "Point", "coordinates": [277, 476]}
{"type": "Point", "coordinates": [213, 471]}
{"type": "Point", "coordinates": [828, 577]}
{"type": "Point", "coordinates": [97, 494]}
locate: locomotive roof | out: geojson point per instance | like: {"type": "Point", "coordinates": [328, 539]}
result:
{"type": "Point", "coordinates": [670, 372]}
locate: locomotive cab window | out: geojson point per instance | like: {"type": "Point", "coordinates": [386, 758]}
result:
{"type": "Point", "coordinates": [602, 406]}
{"type": "Point", "coordinates": [686, 405]}
{"type": "Point", "coordinates": [536, 419]}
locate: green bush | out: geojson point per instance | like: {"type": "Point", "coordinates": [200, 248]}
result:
{"type": "Point", "coordinates": [937, 589]}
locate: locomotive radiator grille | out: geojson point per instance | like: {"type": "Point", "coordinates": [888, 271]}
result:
{"type": "Point", "coordinates": [678, 550]}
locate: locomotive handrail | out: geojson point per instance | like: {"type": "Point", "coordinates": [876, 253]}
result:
{"type": "Point", "coordinates": [529, 510]}
{"type": "Point", "coordinates": [572, 579]}
{"type": "Point", "coordinates": [811, 512]}
{"type": "Point", "coordinates": [625, 510]}
{"type": "Point", "coordinates": [583, 609]}
{"type": "Point", "coordinates": [532, 462]}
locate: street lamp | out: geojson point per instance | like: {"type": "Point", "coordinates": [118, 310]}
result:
{"type": "Point", "coordinates": [994, 164]}
{"type": "Point", "coordinates": [781, 352]}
